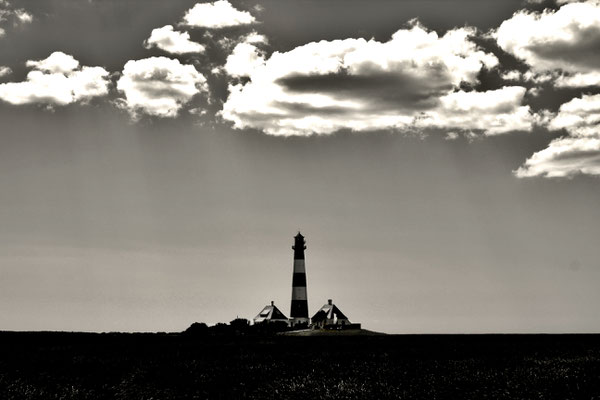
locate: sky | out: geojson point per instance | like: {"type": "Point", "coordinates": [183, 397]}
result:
{"type": "Point", "coordinates": [440, 157]}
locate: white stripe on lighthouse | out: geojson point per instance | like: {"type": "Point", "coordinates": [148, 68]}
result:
{"type": "Point", "coordinates": [299, 266]}
{"type": "Point", "coordinates": [299, 293]}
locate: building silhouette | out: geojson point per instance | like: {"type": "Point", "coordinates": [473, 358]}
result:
{"type": "Point", "coordinates": [330, 316]}
{"type": "Point", "coordinates": [270, 314]}
{"type": "Point", "coordinates": [299, 306]}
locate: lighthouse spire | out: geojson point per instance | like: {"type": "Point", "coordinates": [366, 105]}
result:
{"type": "Point", "coordinates": [299, 309]}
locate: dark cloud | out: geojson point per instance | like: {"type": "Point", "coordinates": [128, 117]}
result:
{"type": "Point", "coordinates": [402, 91]}
{"type": "Point", "coordinates": [306, 108]}
{"type": "Point", "coordinates": [589, 157]}
{"type": "Point", "coordinates": [581, 50]}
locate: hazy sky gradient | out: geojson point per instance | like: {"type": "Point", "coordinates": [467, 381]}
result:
{"type": "Point", "coordinates": [110, 224]}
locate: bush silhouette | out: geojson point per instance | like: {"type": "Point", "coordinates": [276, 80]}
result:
{"type": "Point", "coordinates": [197, 329]}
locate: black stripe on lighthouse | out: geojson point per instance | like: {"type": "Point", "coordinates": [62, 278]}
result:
{"type": "Point", "coordinates": [299, 310]}
{"type": "Point", "coordinates": [299, 279]}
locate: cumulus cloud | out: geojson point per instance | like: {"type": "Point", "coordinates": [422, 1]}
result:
{"type": "Point", "coordinates": [246, 56]}
{"type": "Point", "coordinates": [57, 62]}
{"type": "Point", "coordinates": [4, 70]}
{"type": "Point", "coordinates": [580, 117]}
{"type": "Point", "coordinates": [158, 86]}
{"type": "Point", "coordinates": [57, 80]}
{"type": "Point", "coordinates": [564, 157]}
{"type": "Point", "coordinates": [220, 14]}
{"type": "Point", "coordinates": [564, 41]}
{"type": "Point", "coordinates": [579, 80]}
{"type": "Point", "coordinates": [530, 76]}
{"type": "Point", "coordinates": [577, 153]}
{"type": "Point", "coordinates": [493, 112]}
{"type": "Point", "coordinates": [409, 82]}
{"type": "Point", "coordinates": [171, 41]}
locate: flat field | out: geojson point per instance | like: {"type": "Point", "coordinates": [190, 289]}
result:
{"type": "Point", "coordinates": [168, 366]}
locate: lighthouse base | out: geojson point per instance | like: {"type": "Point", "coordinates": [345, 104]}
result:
{"type": "Point", "coordinates": [299, 323]}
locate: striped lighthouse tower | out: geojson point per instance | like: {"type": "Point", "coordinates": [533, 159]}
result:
{"type": "Point", "coordinates": [299, 311]}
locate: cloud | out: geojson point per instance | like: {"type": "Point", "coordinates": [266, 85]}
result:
{"type": "Point", "coordinates": [409, 82]}
{"type": "Point", "coordinates": [57, 62]}
{"type": "Point", "coordinates": [580, 117]}
{"type": "Point", "coordinates": [220, 14]}
{"type": "Point", "coordinates": [17, 16]}
{"type": "Point", "coordinates": [171, 41]}
{"type": "Point", "coordinates": [561, 2]}
{"type": "Point", "coordinates": [529, 76]}
{"type": "Point", "coordinates": [579, 80]}
{"type": "Point", "coordinates": [158, 86]}
{"type": "Point", "coordinates": [577, 153]}
{"type": "Point", "coordinates": [246, 56]}
{"type": "Point", "coordinates": [255, 38]}
{"type": "Point", "coordinates": [565, 41]}
{"type": "Point", "coordinates": [23, 16]}
{"type": "Point", "coordinates": [4, 71]}
{"type": "Point", "coordinates": [57, 80]}
{"type": "Point", "coordinates": [493, 112]}
{"type": "Point", "coordinates": [564, 157]}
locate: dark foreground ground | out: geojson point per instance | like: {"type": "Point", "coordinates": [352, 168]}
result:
{"type": "Point", "coordinates": [155, 366]}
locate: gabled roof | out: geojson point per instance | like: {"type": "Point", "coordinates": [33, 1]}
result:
{"type": "Point", "coordinates": [328, 311]}
{"type": "Point", "coordinates": [270, 313]}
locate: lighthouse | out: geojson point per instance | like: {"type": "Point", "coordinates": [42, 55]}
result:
{"type": "Point", "coordinates": [299, 309]}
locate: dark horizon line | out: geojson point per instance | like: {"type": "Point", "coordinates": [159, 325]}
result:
{"type": "Point", "coordinates": [3, 332]}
